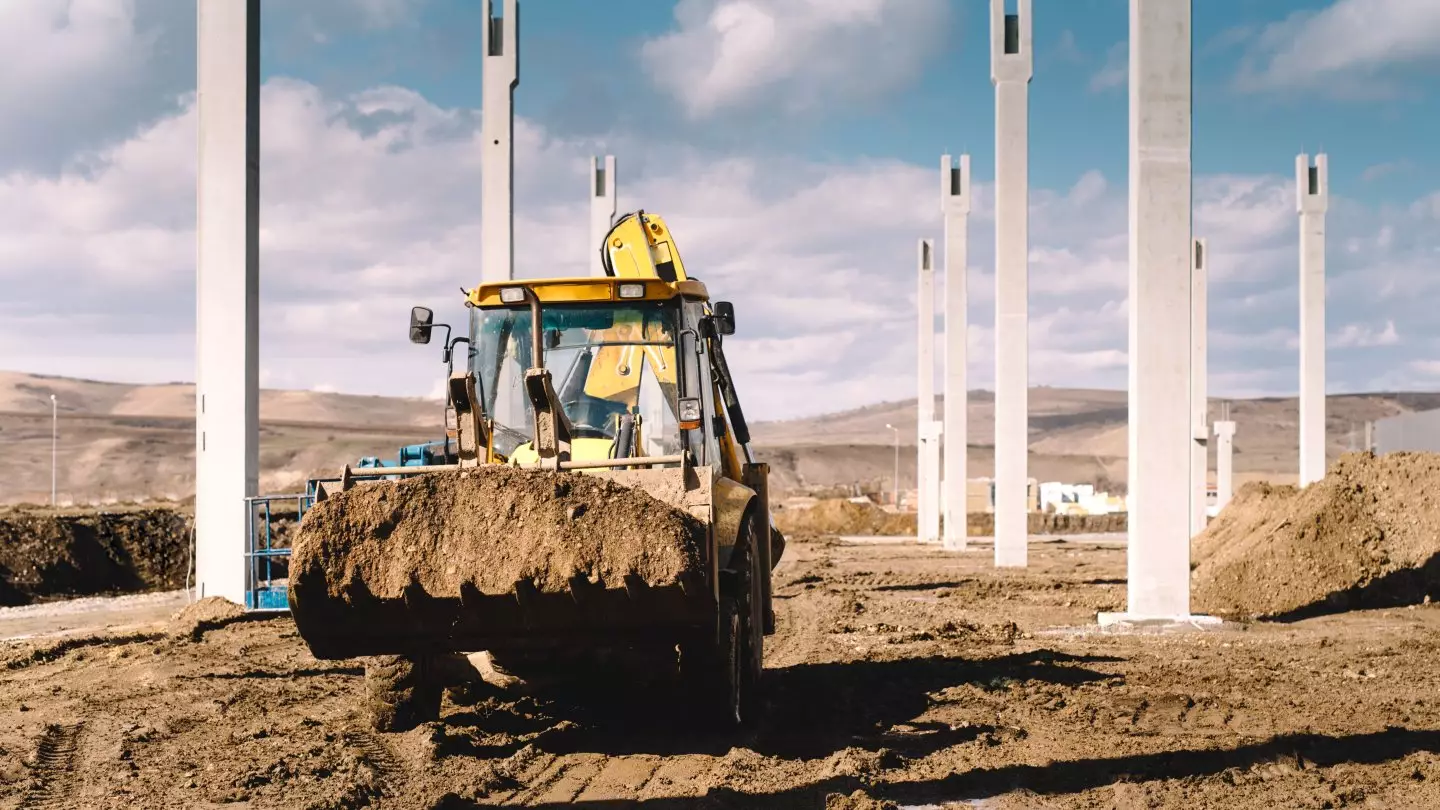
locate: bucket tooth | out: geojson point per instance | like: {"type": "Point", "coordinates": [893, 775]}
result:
{"type": "Point", "coordinates": [692, 586]}
{"type": "Point", "coordinates": [582, 590]}
{"type": "Point", "coordinates": [636, 587]}
{"type": "Point", "coordinates": [414, 595]}
{"type": "Point", "coordinates": [470, 596]}
{"type": "Point", "coordinates": [357, 592]}
{"type": "Point", "coordinates": [525, 596]}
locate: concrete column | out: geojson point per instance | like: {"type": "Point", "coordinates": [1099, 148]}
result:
{"type": "Point", "coordinates": [500, 73]}
{"type": "Point", "coordinates": [955, 206]}
{"type": "Point", "coordinates": [1161, 423]}
{"type": "Point", "coordinates": [1312, 198]}
{"type": "Point", "coordinates": [1011, 66]}
{"type": "Point", "coordinates": [927, 429]}
{"type": "Point", "coordinates": [1200, 419]}
{"type": "Point", "coordinates": [227, 290]}
{"type": "Point", "coordinates": [1224, 462]}
{"type": "Point", "coordinates": [602, 209]}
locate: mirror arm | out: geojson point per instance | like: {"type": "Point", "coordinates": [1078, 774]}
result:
{"type": "Point", "coordinates": [444, 352]}
{"type": "Point", "coordinates": [450, 348]}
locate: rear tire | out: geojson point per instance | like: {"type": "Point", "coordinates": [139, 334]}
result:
{"type": "Point", "coordinates": [401, 692]}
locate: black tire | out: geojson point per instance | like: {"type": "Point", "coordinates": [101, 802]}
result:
{"type": "Point", "coordinates": [401, 692]}
{"type": "Point", "coordinates": [722, 672]}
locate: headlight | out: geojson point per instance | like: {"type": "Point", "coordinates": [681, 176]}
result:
{"type": "Point", "coordinates": [512, 295]}
{"type": "Point", "coordinates": [632, 290]}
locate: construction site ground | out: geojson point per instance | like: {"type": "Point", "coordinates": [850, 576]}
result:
{"type": "Point", "coordinates": [900, 675]}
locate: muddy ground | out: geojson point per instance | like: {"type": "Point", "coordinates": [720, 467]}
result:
{"type": "Point", "coordinates": [899, 674]}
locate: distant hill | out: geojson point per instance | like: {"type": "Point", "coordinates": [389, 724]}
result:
{"type": "Point", "coordinates": [1077, 435]}
{"type": "Point", "coordinates": [121, 441]}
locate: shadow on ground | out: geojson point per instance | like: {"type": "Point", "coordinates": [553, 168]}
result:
{"type": "Point", "coordinates": [1407, 586]}
{"type": "Point", "coordinates": [811, 710]}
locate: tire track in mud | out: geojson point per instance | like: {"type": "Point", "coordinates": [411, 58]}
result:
{"type": "Point", "coordinates": [45, 653]}
{"type": "Point", "coordinates": [560, 781]}
{"type": "Point", "coordinates": [620, 779]}
{"type": "Point", "coordinates": [389, 772]}
{"type": "Point", "coordinates": [798, 626]}
{"type": "Point", "coordinates": [540, 773]}
{"type": "Point", "coordinates": [53, 776]}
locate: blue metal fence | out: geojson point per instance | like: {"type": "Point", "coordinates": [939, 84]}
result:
{"type": "Point", "coordinates": [267, 555]}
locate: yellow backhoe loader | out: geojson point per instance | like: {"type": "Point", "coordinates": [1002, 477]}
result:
{"type": "Point", "coordinates": [620, 378]}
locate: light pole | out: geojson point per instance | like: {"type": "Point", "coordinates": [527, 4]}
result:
{"type": "Point", "coordinates": [895, 479]}
{"type": "Point", "coordinates": [54, 443]}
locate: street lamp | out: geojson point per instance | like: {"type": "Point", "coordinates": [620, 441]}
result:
{"type": "Point", "coordinates": [54, 443]}
{"type": "Point", "coordinates": [895, 479]}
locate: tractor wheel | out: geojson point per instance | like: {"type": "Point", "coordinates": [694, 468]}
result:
{"type": "Point", "coordinates": [401, 692]}
{"type": "Point", "coordinates": [722, 672]}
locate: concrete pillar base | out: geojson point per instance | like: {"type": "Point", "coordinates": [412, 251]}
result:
{"type": "Point", "coordinates": [1128, 622]}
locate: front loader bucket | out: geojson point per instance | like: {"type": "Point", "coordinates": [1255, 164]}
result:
{"type": "Point", "coordinates": [498, 556]}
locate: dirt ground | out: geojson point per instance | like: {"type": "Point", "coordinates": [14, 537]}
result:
{"type": "Point", "coordinates": [899, 676]}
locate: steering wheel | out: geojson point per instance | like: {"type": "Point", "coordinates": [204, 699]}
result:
{"type": "Point", "coordinates": [587, 431]}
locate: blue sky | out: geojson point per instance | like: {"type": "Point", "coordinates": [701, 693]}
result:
{"type": "Point", "coordinates": [580, 60]}
{"type": "Point", "coordinates": [792, 145]}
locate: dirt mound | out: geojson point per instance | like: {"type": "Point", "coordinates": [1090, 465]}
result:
{"type": "Point", "coordinates": [839, 516]}
{"type": "Point", "coordinates": [844, 517]}
{"type": "Point", "coordinates": [492, 527]}
{"type": "Point", "coordinates": [1366, 535]}
{"type": "Point", "coordinates": [48, 553]}
{"type": "Point", "coordinates": [207, 614]}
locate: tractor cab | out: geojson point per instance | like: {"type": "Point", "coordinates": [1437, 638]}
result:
{"type": "Point", "coordinates": [630, 363]}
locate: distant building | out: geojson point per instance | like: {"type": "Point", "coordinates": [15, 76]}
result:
{"type": "Point", "coordinates": [1418, 431]}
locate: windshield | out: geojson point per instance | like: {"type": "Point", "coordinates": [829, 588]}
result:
{"type": "Point", "coordinates": [606, 361]}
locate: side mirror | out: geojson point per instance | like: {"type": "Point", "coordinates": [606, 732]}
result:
{"type": "Point", "coordinates": [725, 317]}
{"type": "Point", "coordinates": [420, 322]}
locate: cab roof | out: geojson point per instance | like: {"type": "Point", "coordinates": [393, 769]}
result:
{"type": "Point", "coordinates": [584, 289]}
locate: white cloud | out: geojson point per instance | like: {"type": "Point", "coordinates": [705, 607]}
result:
{"type": "Point", "coordinates": [1427, 207]}
{"type": "Point", "coordinates": [798, 55]}
{"type": "Point", "coordinates": [1362, 336]}
{"type": "Point", "coordinates": [371, 204]}
{"type": "Point", "coordinates": [84, 73]}
{"type": "Point", "coordinates": [1379, 170]}
{"type": "Point", "coordinates": [1116, 70]}
{"type": "Point", "coordinates": [1343, 46]}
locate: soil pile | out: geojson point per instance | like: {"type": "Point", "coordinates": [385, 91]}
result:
{"type": "Point", "coordinates": [982, 524]}
{"type": "Point", "coordinates": [47, 553]}
{"type": "Point", "coordinates": [492, 527]}
{"type": "Point", "coordinates": [840, 516]}
{"type": "Point", "coordinates": [843, 517]}
{"type": "Point", "coordinates": [209, 613]}
{"type": "Point", "coordinates": [1366, 535]}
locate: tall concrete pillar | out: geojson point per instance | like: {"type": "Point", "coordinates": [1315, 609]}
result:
{"type": "Point", "coordinates": [1312, 198]}
{"type": "Point", "coordinates": [955, 206]}
{"type": "Point", "coordinates": [1161, 422]}
{"type": "Point", "coordinates": [227, 290]}
{"type": "Point", "coordinates": [500, 73]}
{"type": "Point", "coordinates": [927, 429]}
{"type": "Point", "coordinates": [1200, 417]}
{"type": "Point", "coordinates": [1224, 462]}
{"type": "Point", "coordinates": [602, 209]}
{"type": "Point", "coordinates": [1011, 66]}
